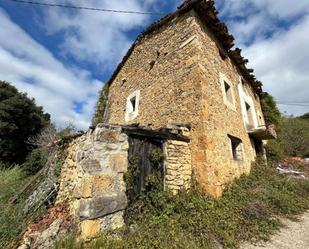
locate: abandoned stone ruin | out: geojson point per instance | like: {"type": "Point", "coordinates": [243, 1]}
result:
{"type": "Point", "coordinates": [180, 94]}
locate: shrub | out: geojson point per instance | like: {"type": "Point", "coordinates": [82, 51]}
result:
{"type": "Point", "coordinates": [34, 162]}
{"type": "Point", "coordinates": [248, 210]}
{"type": "Point", "coordinates": [270, 110]}
{"type": "Point", "coordinates": [101, 105]}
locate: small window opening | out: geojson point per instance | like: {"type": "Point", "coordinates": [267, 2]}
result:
{"type": "Point", "coordinates": [236, 148]}
{"type": "Point", "coordinates": [133, 104]}
{"type": "Point", "coordinates": [228, 92]}
{"type": "Point", "coordinates": [249, 115]}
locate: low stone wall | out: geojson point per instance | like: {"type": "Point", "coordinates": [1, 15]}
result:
{"type": "Point", "coordinates": [92, 180]}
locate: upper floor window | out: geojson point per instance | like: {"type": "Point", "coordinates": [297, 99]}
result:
{"type": "Point", "coordinates": [227, 90]}
{"type": "Point", "coordinates": [250, 123]}
{"type": "Point", "coordinates": [132, 106]}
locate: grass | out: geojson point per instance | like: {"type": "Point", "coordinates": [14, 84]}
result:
{"type": "Point", "coordinates": [12, 220]}
{"type": "Point", "coordinates": [249, 210]}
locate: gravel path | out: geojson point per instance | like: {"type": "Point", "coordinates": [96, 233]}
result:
{"type": "Point", "coordinates": [294, 235]}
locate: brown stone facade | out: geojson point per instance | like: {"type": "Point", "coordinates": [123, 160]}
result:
{"type": "Point", "coordinates": [179, 75]}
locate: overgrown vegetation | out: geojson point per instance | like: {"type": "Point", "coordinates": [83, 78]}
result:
{"type": "Point", "coordinates": [293, 139]}
{"type": "Point", "coordinates": [248, 210]}
{"type": "Point", "coordinates": [20, 119]}
{"type": "Point", "coordinates": [270, 110]}
{"type": "Point", "coordinates": [17, 183]}
{"type": "Point", "coordinates": [12, 219]}
{"type": "Point", "coordinates": [101, 106]}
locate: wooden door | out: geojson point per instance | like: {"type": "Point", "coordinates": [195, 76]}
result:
{"type": "Point", "coordinates": [146, 169]}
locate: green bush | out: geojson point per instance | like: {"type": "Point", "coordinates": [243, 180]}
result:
{"type": "Point", "coordinates": [101, 105]}
{"type": "Point", "coordinates": [294, 137]}
{"type": "Point", "coordinates": [34, 162]}
{"type": "Point", "coordinates": [248, 210]}
{"type": "Point", "coordinates": [270, 110]}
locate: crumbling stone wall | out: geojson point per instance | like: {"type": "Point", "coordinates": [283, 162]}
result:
{"type": "Point", "coordinates": [92, 180]}
{"type": "Point", "coordinates": [92, 177]}
{"type": "Point", "coordinates": [177, 71]}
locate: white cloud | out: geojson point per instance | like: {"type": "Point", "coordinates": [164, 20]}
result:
{"type": "Point", "coordinates": [96, 37]}
{"type": "Point", "coordinates": [274, 37]}
{"type": "Point", "coordinates": [33, 69]}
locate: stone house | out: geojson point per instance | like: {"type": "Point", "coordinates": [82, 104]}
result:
{"type": "Point", "coordinates": [182, 70]}
{"type": "Point", "coordinates": [179, 90]}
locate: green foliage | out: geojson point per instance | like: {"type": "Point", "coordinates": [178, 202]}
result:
{"type": "Point", "coordinates": [294, 136]}
{"type": "Point", "coordinates": [101, 106]}
{"type": "Point", "coordinates": [11, 220]}
{"type": "Point", "coordinates": [293, 139]}
{"type": "Point", "coordinates": [247, 210]}
{"type": "Point", "coordinates": [270, 110]}
{"type": "Point", "coordinates": [20, 119]}
{"type": "Point", "coordinates": [305, 116]}
{"type": "Point", "coordinates": [274, 149]}
{"type": "Point", "coordinates": [35, 161]}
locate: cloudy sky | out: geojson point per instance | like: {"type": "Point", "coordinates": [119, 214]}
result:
{"type": "Point", "coordinates": [61, 57]}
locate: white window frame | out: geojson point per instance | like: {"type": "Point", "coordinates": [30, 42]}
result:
{"type": "Point", "coordinates": [246, 98]}
{"type": "Point", "coordinates": [132, 112]}
{"type": "Point", "coordinates": [230, 104]}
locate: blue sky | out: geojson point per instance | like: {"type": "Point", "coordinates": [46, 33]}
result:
{"type": "Point", "coordinates": [62, 57]}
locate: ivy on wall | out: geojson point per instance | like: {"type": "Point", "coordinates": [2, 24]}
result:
{"type": "Point", "coordinates": [101, 105]}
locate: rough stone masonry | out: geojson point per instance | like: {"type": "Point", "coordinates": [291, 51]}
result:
{"type": "Point", "coordinates": [92, 177]}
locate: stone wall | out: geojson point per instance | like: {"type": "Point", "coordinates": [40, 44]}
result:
{"type": "Point", "coordinates": [220, 120]}
{"type": "Point", "coordinates": [92, 177]}
{"type": "Point", "coordinates": [177, 71]}
{"type": "Point", "coordinates": [92, 180]}
{"type": "Point", "coordinates": [178, 166]}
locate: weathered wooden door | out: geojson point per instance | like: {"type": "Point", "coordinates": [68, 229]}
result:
{"type": "Point", "coordinates": [145, 165]}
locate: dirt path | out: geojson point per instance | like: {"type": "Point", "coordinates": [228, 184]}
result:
{"type": "Point", "coordinates": [294, 235]}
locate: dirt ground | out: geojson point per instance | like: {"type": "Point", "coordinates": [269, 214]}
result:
{"type": "Point", "coordinates": [294, 235]}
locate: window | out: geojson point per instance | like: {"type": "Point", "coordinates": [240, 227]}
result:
{"type": "Point", "coordinates": [132, 106]}
{"type": "Point", "coordinates": [236, 148]}
{"type": "Point", "coordinates": [228, 92]}
{"type": "Point", "coordinates": [250, 124]}
{"type": "Point", "coordinates": [133, 103]}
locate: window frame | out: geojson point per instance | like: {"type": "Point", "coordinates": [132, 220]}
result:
{"type": "Point", "coordinates": [132, 111]}
{"type": "Point", "coordinates": [230, 103]}
{"type": "Point", "coordinates": [239, 148]}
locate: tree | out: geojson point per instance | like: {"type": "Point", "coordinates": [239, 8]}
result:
{"type": "Point", "coordinates": [270, 110]}
{"type": "Point", "coordinates": [20, 119]}
{"type": "Point", "coordinates": [305, 116]}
